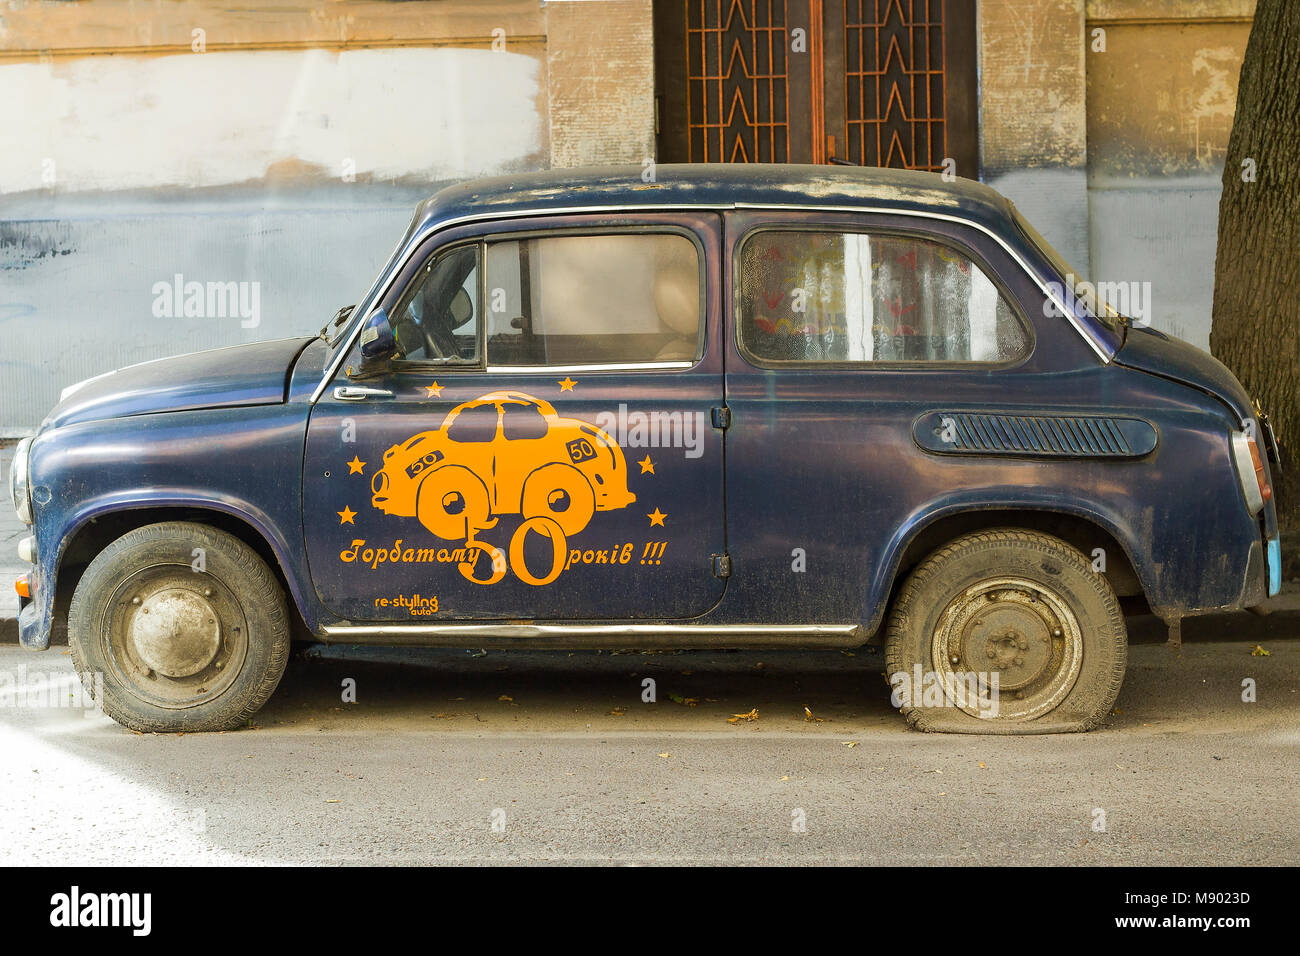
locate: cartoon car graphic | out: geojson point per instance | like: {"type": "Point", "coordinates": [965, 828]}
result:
{"type": "Point", "coordinates": [502, 453]}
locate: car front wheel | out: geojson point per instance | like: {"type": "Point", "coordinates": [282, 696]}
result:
{"type": "Point", "coordinates": [1006, 632]}
{"type": "Point", "coordinates": [179, 627]}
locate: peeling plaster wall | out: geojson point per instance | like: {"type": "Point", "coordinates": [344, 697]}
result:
{"type": "Point", "coordinates": [1033, 129]}
{"type": "Point", "coordinates": [77, 291]}
{"type": "Point", "coordinates": [601, 93]}
{"type": "Point", "coordinates": [131, 122]}
{"type": "Point", "coordinates": [1161, 99]}
{"type": "Point", "coordinates": [290, 154]}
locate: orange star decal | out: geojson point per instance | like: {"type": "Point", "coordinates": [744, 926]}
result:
{"type": "Point", "coordinates": [434, 390]}
{"type": "Point", "coordinates": [346, 515]}
{"type": "Point", "coordinates": [647, 466]}
{"type": "Point", "coordinates": [566, 384]}
{"type": "Point", "coordinates": [356, 466]}
{"type": "Point", "coordinates": [656, 518]}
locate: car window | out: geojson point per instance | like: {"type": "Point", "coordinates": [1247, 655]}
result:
{"type": "Point", "coordinates": [850, 297]}
{"type": "Point", "coordinates": [523, 421]}
{"type": "Point", "coordinates": [437, 318]}
{"type": "Point", "coordinates": [593, 300]}
{"type": "Point", "coordinates": [475, 424]}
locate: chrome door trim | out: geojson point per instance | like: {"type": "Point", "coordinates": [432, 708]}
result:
{"type": "Point", "coordinates": [610, 631]}
{"type": "Point", "coordinates": [611, 367]}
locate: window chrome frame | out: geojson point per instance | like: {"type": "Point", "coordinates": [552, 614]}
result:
{"type": "Point", "coordinates": [381, 287]}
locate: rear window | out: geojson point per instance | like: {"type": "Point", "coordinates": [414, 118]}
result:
{"type": "Point", "coordinates": [847, 297]}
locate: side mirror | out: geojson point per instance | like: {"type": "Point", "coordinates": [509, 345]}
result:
{"type": "Point", "coordinates": [377, 339]}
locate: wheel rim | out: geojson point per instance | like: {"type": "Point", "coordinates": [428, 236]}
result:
{"type": "Point", "coordinates": [174, 637]}
{"type": "Point", "coordinates": [1020, 630]}
{"type": "Point", "coordinates": [561, 493]}
{"type": "Point", "coordinates": [453, 503]}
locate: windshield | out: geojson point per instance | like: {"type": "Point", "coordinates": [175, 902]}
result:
{"type": "Point", "coordinates": [1083, 291]}
{"type": "Point", "coordinates": [339, 333]}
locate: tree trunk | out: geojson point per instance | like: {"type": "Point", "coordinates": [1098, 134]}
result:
{"type": "Point", "coordinates": [1256, 319]}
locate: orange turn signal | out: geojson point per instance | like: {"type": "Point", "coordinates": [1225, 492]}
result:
{"type": "Point", "coordinates": [24, 586]}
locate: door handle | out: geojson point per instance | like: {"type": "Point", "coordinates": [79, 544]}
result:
{"type": "Point", "coordinates": [359, 393]}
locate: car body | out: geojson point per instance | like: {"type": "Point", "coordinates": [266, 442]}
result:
{"type": "Point", "coordinates": [775, 440]}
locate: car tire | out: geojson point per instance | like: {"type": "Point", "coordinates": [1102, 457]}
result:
{"type": "Point", "coordinates": [452, 503]}
{"type": "Point", "coordinates": [559, 492]}
{"type": "Point", "coordinates": [179, 627]}
{"type": "Point", "coordinates": [1019, 608]}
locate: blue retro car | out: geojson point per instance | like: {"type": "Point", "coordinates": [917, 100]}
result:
{"type": "Point", "coordinates": [731, 406]}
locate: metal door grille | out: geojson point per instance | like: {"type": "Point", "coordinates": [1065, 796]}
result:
{"type": "Point", "coordinates": [737, 81]}
{"type": "Point", "coordinates": [894, 83]}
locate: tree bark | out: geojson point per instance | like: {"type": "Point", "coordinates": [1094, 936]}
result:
{"type": "Point", "coordinates": [1255, 327]}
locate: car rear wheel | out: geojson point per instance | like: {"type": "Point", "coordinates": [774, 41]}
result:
{"type": "Point", "coordinates": [179, 627]}
{"type": "Point", "coordinates": [1006, 632]}
{"type": "Point", "coordinates": [559, 492]}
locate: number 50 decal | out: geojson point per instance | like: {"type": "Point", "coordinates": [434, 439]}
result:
{"type": "Point", "coordinates": [539, 524]}
{"type": "Point", "coordinates": [580, 450]}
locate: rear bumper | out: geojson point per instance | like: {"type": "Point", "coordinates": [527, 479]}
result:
{"type": "Point", "coordinates": [1274, 556]}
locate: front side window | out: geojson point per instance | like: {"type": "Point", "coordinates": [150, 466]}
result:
{"type": "Point", "coordinates": [630, 298]}
{"type": "Point", "coordinates": [848, 297]}
{"type": "Point", "coordinates": [436, 320]}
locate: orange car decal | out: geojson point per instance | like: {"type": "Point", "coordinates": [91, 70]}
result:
{"type": "Point", "coordinates": [504, 453]}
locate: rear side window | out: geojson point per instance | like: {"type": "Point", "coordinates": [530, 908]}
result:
{"type": "Point", "coordinates": [593, 300]}
{"type": "Point", "coordinates": [850, 297]}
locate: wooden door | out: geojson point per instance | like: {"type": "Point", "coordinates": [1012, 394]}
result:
{"type": "Point", "coordinates": [872, 82]}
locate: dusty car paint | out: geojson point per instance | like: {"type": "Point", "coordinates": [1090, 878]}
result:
{"type": "Point", "coordinates": [751, 466]}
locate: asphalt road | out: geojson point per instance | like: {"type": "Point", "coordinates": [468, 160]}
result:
{"type": "Point", "coordinates": [561, 753]}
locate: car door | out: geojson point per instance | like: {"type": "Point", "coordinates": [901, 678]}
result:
{"type": "Point", "coordinates": [543, 447]}
{"type": "Point", "coordinates": [847, 331]}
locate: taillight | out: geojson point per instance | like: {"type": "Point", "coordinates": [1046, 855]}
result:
{"type": "Point", "coordinates": [1250, 471]}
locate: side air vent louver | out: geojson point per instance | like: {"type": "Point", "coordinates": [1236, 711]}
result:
{"type": "Point", "coordinates": [1046, 436]}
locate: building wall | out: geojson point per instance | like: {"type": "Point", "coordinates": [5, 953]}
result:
{"type": "Point", "coordinates": [1161, 98]}
{"type": "Point", "coordinates": [279, 148]}
{"type": "Point", "coordinates": [1033, 125]}
{"type": "Point", "coordinates": [285, 148]}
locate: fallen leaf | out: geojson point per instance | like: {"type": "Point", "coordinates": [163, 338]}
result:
{"type": "Point", "coordinates": [332, 801]}
{"type": "Point", "coordinates": [737, 718]}
{"type": "Point", "coordinates": [982, 767]}
{"type": "Point", "coordinates": [808, 715]}
{"type": "Point", "coordinates": [507, 698]}
{"type": "Point", "coordinates": [849, 743]}
{"type": "Point", "coordinates": [665, 756]}
{"type": "Point", "coordinates": [785, 778]}
{"type": "Point", "coordinates": [616, 712]}
{"type": "Point", "coordinates": [1258, 651]}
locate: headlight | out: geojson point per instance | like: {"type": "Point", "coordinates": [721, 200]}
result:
{"type": "Point", "coordinates": [19, 489]}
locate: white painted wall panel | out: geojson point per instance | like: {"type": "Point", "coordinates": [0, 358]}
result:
{"type": "Point", "coordinates": [211, 119]}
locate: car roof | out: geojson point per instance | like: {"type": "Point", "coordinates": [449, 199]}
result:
{"type": "Point", "coordinates": [717, 186]}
